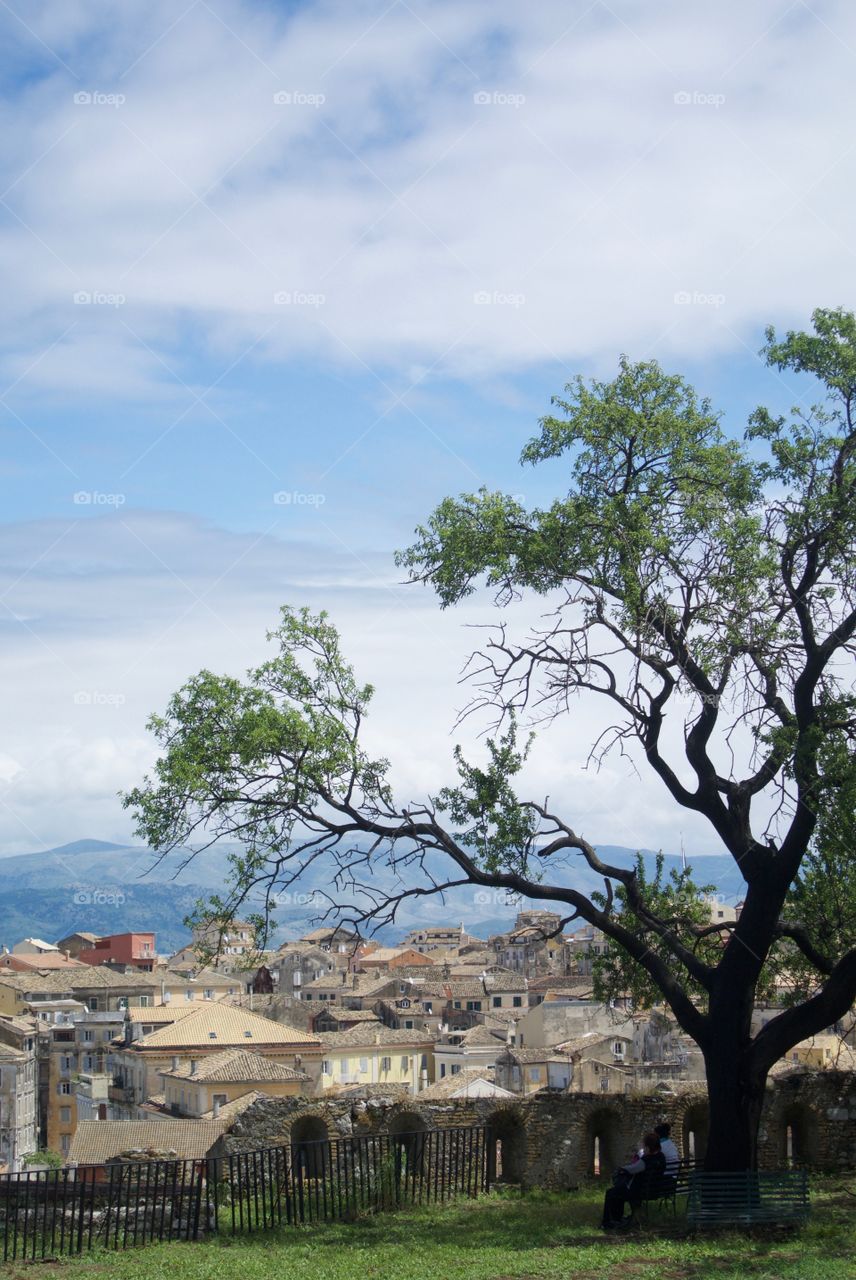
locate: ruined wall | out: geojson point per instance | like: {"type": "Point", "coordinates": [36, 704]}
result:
{"type": "Point", "coordinates": [549, 1139]}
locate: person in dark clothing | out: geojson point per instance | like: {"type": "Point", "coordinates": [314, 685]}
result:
{"type": "Point", "coordinates": [628, 1183]}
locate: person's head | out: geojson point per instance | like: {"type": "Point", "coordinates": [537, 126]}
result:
{"type": "Point", "coordinates": [662, 1130]}
{"type": "Point", "coordinates": [652, 1143]}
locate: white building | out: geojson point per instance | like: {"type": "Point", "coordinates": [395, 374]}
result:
{"type": "Point", "coordinates": [18, 1092]}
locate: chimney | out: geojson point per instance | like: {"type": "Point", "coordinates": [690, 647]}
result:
{"type": "Point", "coordinates": [174, 1062]}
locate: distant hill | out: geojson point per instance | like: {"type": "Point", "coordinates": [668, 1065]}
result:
{"type": "Point", "coordinates": [109, 888]}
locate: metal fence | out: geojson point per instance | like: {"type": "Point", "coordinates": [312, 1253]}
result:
{"type": "Point", "coordinates": [118, 1206]}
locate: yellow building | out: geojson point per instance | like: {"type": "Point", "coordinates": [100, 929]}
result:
{"type": "Point", "coordinates": [203, 1030]}
{"type": "Point", "coordinates": [373, 1054]}
{"type": "Point", "coordinates": [204, 1085]}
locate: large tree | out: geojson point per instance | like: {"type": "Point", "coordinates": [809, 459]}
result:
{"type": "Point", "coordinates": [700, 587]}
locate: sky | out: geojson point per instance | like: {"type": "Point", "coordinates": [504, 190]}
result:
{"type": "Point", "coordinates": [277, 277]}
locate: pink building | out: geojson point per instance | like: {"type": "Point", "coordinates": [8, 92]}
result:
{"type": "Point", "coordinates": [134, 949]}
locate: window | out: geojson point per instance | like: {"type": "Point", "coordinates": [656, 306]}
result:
{"type": "Point", "coordinates": [428, 1006]}
{"type": "Point", "coordinates": [618, 1048]}
{"type": "Point", "coordinates": [65, 1143]}
{"type": "Point", "coordinates": [65, 1115]}
{"type": "Point", "coordinates": [604, 1084]}
{"type": "Point", "coordinates": [208, 993]}
{"type": "Point", "coordinates": [517, 1002]}
{"type": "Point", "coordinates": [408, 1026]}
{"type": "Point", "coordinates": [442, 1070]}
{"type": "Point", "coordinates": [219, 1100]}
{"type": "Point", "coordinates": [535, 1075]}
{"type": "Point", "coordinates": [344, 1066]}
{"type": "Point", "coordinates": [93, 1004]}
{"type": "Point", "coordinates": [474, 1005]}
{"type": "Point", "coordinates": [188, 995]}
{"type": "Point", "coordinates": [364, 1066]}
{"type": "Point", "coordinates": [386, 1064]}
{"type": "Point", "coordinates": [87, 1036]}
{"type": "Point", "coordinates": [497, 1002]}
{"type": "Point", "coordinates": [65, 1087]}
{"type": "Point", "coordinates": [326, 1067]}
{"type": "Point", "coordinates": [405, 1064]}
{"type": "Point", "coordinates": [455, 1068]}
{"type": "Point", "coordinates": [145, 1001]}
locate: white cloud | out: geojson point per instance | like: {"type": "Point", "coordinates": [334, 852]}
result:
{"type": "Point", "coordinates": [597, 198]}
{"type": "Point", "coordinates": [104, 617]}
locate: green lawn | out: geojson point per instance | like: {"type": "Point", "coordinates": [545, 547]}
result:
{"type": "Point", "coordinates": [499, 1237]}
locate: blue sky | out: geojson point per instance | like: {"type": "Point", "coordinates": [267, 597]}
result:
{"type": "Point", "coordinates": [345, 253]}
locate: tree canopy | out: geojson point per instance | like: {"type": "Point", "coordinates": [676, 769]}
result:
{"type": "Point", "coordinates": [689, 578]}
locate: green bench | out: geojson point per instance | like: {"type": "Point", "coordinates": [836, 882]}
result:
{"type": "Point", "coordinates": [747, 1199]}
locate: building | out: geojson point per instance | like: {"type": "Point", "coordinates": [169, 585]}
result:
{"type": "Point", "coordinates": [41, 960]}
{"type": "Point", "coordinates": [383, 958]}
{"type": "Point", "coordinates": [122, 950]}
{"type": "Point", "coordinates": [371, 1054]}
{"type": "Point", "coordinates": [297, 964]}
{"type": "Point", "coordinates": [234, 939]}
{"type": "Point", "coordinates": [525, 1071]}
{"type": "Point", "coordinates": [18, 1092]}
{"type": "Point", "coordinates": [204, 1085]}
{"type": "Point", "coordinates": [440, 938]}
{"type": "Point", "coordinates": [73, 943]}
{"type": "Point", "coordinates": [535, 944]}
{"type": "Point", "coordinates": [462, 1052]}
{"type": "Point", "coordinates": [78, 1046]}
{"type": "Point", "coordinates": [33, 947]}
{"type": "Point", "coordinates": [198, 1033]}
{"type": "Point", "coordinates": [105, 1142]}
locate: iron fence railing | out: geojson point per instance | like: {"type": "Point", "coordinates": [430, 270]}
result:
{"type": "Point", "coordinates": [64, 1211]}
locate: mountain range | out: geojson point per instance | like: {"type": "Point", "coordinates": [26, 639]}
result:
{"type": "Point", "coordinates": [111, 888]}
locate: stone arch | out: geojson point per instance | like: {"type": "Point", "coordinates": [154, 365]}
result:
{"type": "Point", "coordinates": [407, 1129]}
{"type": "Point", "coordinates": [798, 1136]}
{"type": "Point", "coordinates": [507, 1146]}
{"type": "Point", "coordinates": [604, 1151]}
{"type": "Point", "coordinates": [695, 1130]}
{"type": "Point", "coordinates": [310, 1146]}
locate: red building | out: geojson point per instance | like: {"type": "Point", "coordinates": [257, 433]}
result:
{"type": "Point", "coordinates": [137, 950]}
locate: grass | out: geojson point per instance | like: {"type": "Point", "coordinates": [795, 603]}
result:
{"type": "Point", "coordinates": [504, 1236]}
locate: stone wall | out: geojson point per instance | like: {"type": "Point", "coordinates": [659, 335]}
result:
{"type": "Point", "coordinates": [550, 1139]}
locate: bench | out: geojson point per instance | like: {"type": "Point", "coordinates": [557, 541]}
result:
{"type": "Point", "coordinates": [747, 1199]}
{"type": "Point", "coordinates": [663, 1192]}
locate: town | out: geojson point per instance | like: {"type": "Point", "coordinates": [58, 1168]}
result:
{"type": "Point", "coordinates": [109, 1050]}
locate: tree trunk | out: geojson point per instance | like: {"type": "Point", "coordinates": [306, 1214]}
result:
{"type": "Point", "coordinates": [736, 1097]}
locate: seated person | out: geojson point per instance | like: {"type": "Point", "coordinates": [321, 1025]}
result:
{"type": "Point", "coordinates": [668, 1148]}
{"type": "Point", "coordinates": [629, 1182]}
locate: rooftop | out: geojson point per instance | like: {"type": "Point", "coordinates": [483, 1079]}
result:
{"type": "Point", "coordinates": [234, 1066]}
{"type": "Point", "coordinates": [212, 1023]}
{"type": "Point", "coordinates": [97, 1141]}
